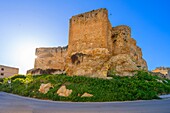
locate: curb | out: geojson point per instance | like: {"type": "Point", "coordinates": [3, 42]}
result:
{"type": "Point", "coordinates": [164, 96]}
{"type": "Point", "coordinates": [36, 99]}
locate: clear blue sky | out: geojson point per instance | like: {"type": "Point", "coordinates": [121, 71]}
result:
{"type": "Point", "coordinates": [27, 24]}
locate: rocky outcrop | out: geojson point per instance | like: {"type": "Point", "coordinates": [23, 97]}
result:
{"type": "Point", "coordinates": [63, 91]}
{"type": "Point", "coordinates": [122, 65]}
{"type": "Point", "coordinates": [88, 62]}
{"type": "Point", "coordinates": [95, 48]}
{"type": "Point", "coordinates": [44, 88]}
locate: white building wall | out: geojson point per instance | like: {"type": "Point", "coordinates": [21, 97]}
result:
{"type": "Point", "coordinates": [6, 71]}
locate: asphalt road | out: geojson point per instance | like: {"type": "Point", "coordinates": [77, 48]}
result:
{"type": "Point", "coordinates": [10, 103]}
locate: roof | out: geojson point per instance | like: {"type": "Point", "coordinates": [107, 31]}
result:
{"type": "Point", "coordinates": [8, 66]}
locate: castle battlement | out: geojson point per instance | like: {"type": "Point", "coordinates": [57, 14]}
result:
{"type": "Point", "coordinates": [43, 50]}
{"type": "Point", "coordinates": [122, 28]}
{"type": "Point", "coordinates": [88, 16]}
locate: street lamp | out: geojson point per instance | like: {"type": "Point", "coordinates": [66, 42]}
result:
{"type": "Point", "coordinates": [26, 84]}
{"type": "Point", "coordinates": [9, 82]}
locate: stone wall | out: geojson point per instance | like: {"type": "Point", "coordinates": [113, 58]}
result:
{"type": "Point", "coordinates": [126, 56]}
{"type": "Point", "coordinates": [50, 58]}
{"type": "Point", "coordinates": [163, 70]}
{"type": "Point", "coordinates": [88, 30]}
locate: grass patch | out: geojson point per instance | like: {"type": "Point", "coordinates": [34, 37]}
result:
{"type": "Point", "coordinates": [141, 86]}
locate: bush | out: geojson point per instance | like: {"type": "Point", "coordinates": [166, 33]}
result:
{"type": "Point", "coordinates": [18, 76]}
{"type": "Point", "coordinates": [1, 80]}
{"type": "Point", "coordinates": [141, 86]}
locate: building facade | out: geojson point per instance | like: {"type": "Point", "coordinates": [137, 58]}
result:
{"type": "Point", "coordinates": [6, 71]}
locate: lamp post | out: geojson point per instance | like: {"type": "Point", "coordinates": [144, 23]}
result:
{"type": "Point", "coordinates": [9, 82]}
{"type": "Point", "coordinates": [26, 84]}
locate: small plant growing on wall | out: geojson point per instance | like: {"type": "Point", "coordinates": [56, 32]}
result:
{"type": "Point", "coordinates": [111, 73]}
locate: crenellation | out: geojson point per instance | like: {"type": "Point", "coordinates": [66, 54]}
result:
{"type": "Point", "coordinates": [125, 30]}
{"type": "Point", "coordinates": [43, 50]}
{"type": "Point", "coordinates": [89, 16]}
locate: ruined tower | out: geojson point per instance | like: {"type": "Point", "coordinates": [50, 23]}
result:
{"type": "Point", "coordinates": [95, 48]}
{"type": "Point", "coordinates": [89, 30]}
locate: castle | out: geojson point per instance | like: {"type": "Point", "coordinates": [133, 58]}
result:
{"type": "Point", "coordinates": [162, 71]}
{"type": "Point", "coordinates": [95, 48]}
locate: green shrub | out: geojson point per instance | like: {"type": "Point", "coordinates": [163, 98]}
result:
{"type": "Point", "coordinates": [141, 86]}
{"type": "Point", "coordinates": [111, 73]}
{"type": "Point", "coordinates": [1, 80]}
{"type": "Point", "coordinates": [18, 76]}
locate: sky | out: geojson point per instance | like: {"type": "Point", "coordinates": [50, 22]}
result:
{"type": "Point", "coordinates": [28, 24]}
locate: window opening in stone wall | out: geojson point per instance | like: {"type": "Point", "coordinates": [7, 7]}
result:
{"type": "Point", "coordinates": [2, 74]}
{"type": "Point", "coordinates": [2, 69]}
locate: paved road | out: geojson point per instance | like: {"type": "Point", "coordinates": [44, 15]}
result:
{"type": "Point", "coordinates": [10, 103]}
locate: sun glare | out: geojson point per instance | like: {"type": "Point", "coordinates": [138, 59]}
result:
{"type": "Point", "coordinates": [24, 55]}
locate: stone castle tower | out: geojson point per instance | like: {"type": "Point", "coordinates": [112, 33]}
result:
{"type": "Point", "coordinates": [95, 48]}
{"type": "Point", "coordinates": [89, 30]}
